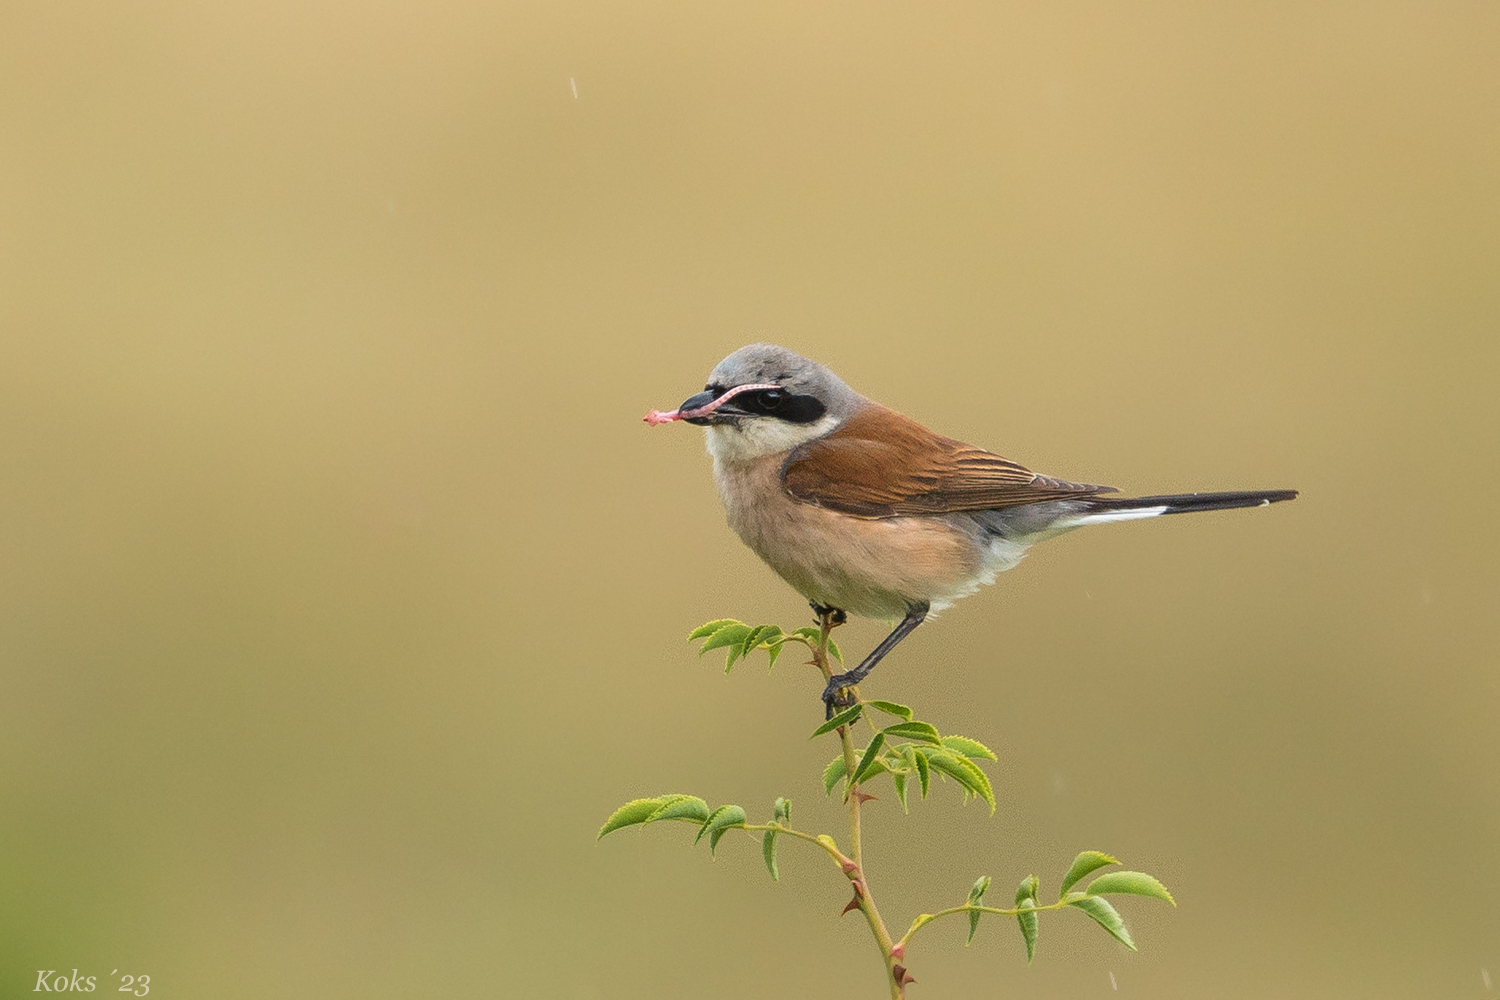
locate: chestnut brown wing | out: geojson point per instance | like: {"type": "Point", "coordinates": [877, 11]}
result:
{"type": "Point", "coordinates": [882, 464]}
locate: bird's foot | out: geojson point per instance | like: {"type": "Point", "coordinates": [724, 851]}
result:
{"type": "Point", "coordinates": [835, 615]}
{"type": "Point", "coordinates": [841, 692]}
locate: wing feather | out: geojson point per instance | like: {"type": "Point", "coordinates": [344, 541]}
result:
{"type": "Point", "coordinates": [882, 464]}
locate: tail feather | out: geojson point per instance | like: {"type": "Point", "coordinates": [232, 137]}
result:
{"type": "Point", "coordinates": [1100, 508]}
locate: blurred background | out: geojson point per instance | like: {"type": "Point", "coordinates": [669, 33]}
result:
{"type": "Point", "coordinates": [344, 591]}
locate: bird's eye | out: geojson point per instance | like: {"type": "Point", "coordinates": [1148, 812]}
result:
{"type": "Point", "coordinates": [771, 398]}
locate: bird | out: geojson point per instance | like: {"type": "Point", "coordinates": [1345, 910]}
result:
{"type": "Point", "coordinates": [864, 511]}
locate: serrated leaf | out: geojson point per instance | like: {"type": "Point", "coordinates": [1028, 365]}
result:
{"type": "Point", "coordinates": [720, 820]}
{"type": "Point", "coordinates": [845, 717]}
{"type": "Point", "coordinates": [900, 780]}
{"type": "Point", "coordinates": [772, 652]}
{"type": "Point", "coordinates": [768, 851]}
{"type": "Point", "coordinates": [781, 811]}
{"type": "Point", "coordinates": [1026, 896]}
{"type": "Point", "coordinates": [838, 654]}
{"type": "Point", "coordinates": [761, 635]}
{"type": "Point", "coordinates": [892, 708]}
{"type": "Point", "coordinates": [919, 761]}
{"type": "Point", "coordinates": [921, 731]}
{"type": "Point", "coordinates": [972, 749]}
{"type": "Point", "coordinates": [1087, 861]}
{"type": "Point", "coordinates": [709, 628]}
{"type": "Point", "coordinates": [633, 812]}
{"type": "Point", "coordinates": [684, 807]}
{"type": "Point", "coordinates": [923, 771]}
{"type": "Point", "coordinates": [870, 758]}
{"type": "Point", "coordinates": [737, 649]}
{"type": "Point", "coordinates": [966, 773]}
{"type": "Point", "coordinates": [1030, 922]}
{"type": "Point", "coordinates": [729, 635]}
{"type": "Point", "coordinates": [835, 770]}
{"type": "Point", "coordinates": [1134, 883]}
{"type": "Point", "coordinates": [1106, 916]}
{"type": "Point", "coordinates": [976, 895]}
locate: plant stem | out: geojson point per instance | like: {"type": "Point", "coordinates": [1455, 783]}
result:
{"type": "Point", "coordinates": [927, 918]}
{"type": "Point", "coordinates": [855, 871]}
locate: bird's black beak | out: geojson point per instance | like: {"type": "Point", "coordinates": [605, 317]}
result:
{"type": "Point", "coordinates": [721, 415]}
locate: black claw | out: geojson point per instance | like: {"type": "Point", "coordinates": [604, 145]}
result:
{"type": "Point", "coordinates": [822, 610]}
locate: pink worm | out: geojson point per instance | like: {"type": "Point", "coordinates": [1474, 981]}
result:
{"type": "Point", "coordinates": [658, 417]}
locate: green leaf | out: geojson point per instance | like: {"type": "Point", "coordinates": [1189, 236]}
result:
{"type": "Point", "coordinates": [964, 771]}
{"type": "Point", "coordinates": [845, 717]}
{"type": "Point", "coordinates": [1088, 861]}
{"type": "Point", "coordinates": [768, 851]}
{"type": "Point", "coordinates": [633, 812]}
{"type": "Point", "coordinates": [721, 819]}
{"type": "Point", "coordinates": [781, 811]}
{"type": "Point", "coordinates": [900, 780]}
{"type": "Point", "coordinates": [684, 807]}
{"type": "Point", "coordinates": [1134, 883]}
{"type": "Point", "coordinates": [761, 635]}
{"type": "Point", "coordinates": [976, 894]}
{"type": "Point", "coordinates": [838, 654]}
{"type": "Point", "coordinates": [729, 635]}
{"type": "Point", "coordinates": [772, 652]}
{"type": "Point", "coordinates": [969, 748]}
{"type": "Point", "coordinates": [1026, 896]}
{"type": "Point", "coordinates": [921, 731]}
{"type": "Point", "coordinates": [891, 708]}
{"type": "Point", "coordinates": [709, 628]}
{"type": "Point", "coordinates": [1106, 915]}
{"type": "Point", "coordinates": [924, 769]}
{"type": "Point", "coordinates": [831, 774]}
{"type": "Point", "coordinates": [871, 758]}
{"type": "Point", "coordinates": [741, 647]}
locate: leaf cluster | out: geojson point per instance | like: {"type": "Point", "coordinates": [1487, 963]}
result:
{"type": "Point", "coordinates": [1091, 900]}
{"type": "Point", "coordinates": [740, 640]}
{"type": "Point", "coordinates": [909, 751]}
{"type": "Point", "coordinates": [713, 823]}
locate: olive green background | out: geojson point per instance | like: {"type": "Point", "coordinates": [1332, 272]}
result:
{"type": "Point", "coordinates": [343, 592]}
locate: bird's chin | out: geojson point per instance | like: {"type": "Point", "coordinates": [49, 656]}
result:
{"type": "Point", "coordinates": [748, 438]}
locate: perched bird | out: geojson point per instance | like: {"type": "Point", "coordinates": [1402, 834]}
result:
{"type": "Point", "coordinates": [863, 510]}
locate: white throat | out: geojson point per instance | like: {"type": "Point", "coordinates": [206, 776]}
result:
{"type": "Point", "coordinates": [760, 436]}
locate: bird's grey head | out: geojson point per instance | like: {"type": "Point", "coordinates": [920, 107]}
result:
{"type": "Point", "coordinates": [765, 399]}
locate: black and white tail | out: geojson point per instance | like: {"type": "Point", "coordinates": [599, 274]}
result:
{"type": "Point", "coordinates": [1102, 509]}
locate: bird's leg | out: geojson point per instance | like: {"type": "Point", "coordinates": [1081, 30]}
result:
{"type": "Point", "coordinates": [834, 615]}
{"type": "Point", "coordinates": [837, 693]}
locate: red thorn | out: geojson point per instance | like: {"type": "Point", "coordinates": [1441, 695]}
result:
{"type": "Point", "coordinates": [901, 976]}
{"type": "Point", "coordinates": [853, 904]}
{"type": "Point", "coordinates": [863, 797]}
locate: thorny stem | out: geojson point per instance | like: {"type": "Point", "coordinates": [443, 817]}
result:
{"type": "Point", "coordinates": [854, 866]}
